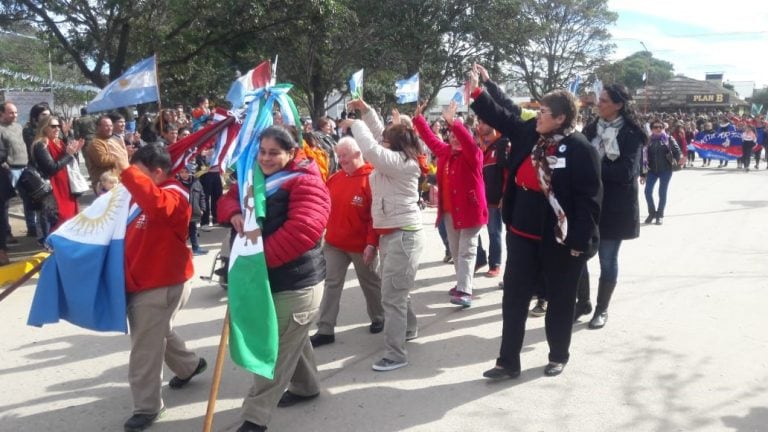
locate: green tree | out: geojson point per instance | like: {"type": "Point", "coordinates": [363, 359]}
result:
{"type": "Point", "coordinates": [562, 39]}
{"type": "Point", "coordinates": [760, 97]}
{"type": "Point", "coordinates": [630, 70]}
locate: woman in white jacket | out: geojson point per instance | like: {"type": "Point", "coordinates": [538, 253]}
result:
{"type": "Point", "coordinates": [393, 152]}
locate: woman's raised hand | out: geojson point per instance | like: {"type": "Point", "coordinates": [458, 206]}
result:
{"type": "Point", "coordinates": [450, 112]}
{"type": "Point", "coordinates": [480, 70]}
{"type": "Point", "coordinates": [395, 116]}
{"type": "Point", "coordinates": [358, 105]}
{"type": "Point", "coordinates": [420, 107]}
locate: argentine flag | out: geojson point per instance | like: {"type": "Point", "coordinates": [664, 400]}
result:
{"type": "Point", "coordinates": [137, 85]}
{"type": "Point", "coordinates": [83, 281]}
{"type": "Point", "coordinates": [407, 90]}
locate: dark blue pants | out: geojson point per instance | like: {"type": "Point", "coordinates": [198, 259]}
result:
{"type": "Point", "coordinates": [651, 178]}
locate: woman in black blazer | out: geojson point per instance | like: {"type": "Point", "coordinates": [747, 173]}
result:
{"type": "Point", "coordinates": [619, 138]}
{"type": "Point", "coordinates": [551, 208]}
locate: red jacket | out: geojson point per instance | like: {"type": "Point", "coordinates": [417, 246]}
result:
{"type": "Point", "coordinates": [350, 226]}
{"type": "Point", "coordinates": [156, 253]}
{"type": "Point", "coordinates": [469, 207]}
{"type": "Point", "coordinates": [296, 214]}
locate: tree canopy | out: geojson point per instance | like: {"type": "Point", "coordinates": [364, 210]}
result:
{"type": "Point", "coordinates": [630, 70]}
{"type": "Point", "coordinates": [201, 44]}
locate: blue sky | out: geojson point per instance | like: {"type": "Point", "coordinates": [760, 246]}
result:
{"type": "Point", "coordinates": [698, 37]}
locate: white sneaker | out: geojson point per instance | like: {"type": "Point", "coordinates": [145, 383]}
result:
{"type": "Point", "coordinates": [385, 365]}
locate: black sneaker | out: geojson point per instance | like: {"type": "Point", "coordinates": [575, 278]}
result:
{"type": "Point", "coordinates": [289, 399]}
{"type": "Point", "coordinates": [376, 327]}
{"type": "Point", "coordinates": [319, 339]}
{"type": "Point", "coordinates": [540, 309]}
{"type": "Point", "coordinates": [139, 422]}
{"type": "Point", "coordinates": [498, 372]}
{"type": "Point", "coordinates": [177, 383]}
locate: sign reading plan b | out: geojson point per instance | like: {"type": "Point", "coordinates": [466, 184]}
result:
{"type": "Point", "coordinates": [708, 98]}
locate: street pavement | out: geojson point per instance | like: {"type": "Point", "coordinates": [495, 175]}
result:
{"type": "Point", "coordinates": [684, 349]}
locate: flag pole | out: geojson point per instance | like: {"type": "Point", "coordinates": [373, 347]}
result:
{"type": "Point", "coordinates": [159, 101]}
{"type": "Point", "coordinates": [210, 411]}
{"type": "Point", "coordinates": [22, 280]}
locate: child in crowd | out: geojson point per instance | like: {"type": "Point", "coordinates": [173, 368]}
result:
{"type": "Point", "coordinates": [107, 181]}
{"type": "Point", "coordinates": [197, 200]}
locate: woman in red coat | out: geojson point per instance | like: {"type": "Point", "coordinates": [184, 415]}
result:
{"type": "Point", "coordinates": [461, 201]}
{"type": "Point", "coordinates": [51, 156]}
{"type": "Point", "coordinates": [298, 206]}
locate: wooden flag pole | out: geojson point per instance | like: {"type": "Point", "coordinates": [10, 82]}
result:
{"type": "Point", "coordinates": [208, 424]}
{"type": "Point", "coordinates": [21, 281]}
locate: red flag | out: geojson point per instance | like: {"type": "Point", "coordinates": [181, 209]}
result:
{"type": "Point", "coordinates": [184, 149]}
{"type": "Point", "coordinates": [261, 74]}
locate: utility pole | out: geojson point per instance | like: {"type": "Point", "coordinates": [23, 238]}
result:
{"type": "Point", "coordinates": [646, 76]}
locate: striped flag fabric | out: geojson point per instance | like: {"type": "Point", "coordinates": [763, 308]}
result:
{"type": "Point", "coordinates": [137, 85]}
{"type": "Point", "coordinates": [83, 281]}
{"type": "Point", "coordinates": [756, 109]}
{"type": "Point", "coordinates": [407, 90]}
{"type": "Point", "coordinates": [573, 87]}
{"type": "Point", "coordinates": [256, 78]}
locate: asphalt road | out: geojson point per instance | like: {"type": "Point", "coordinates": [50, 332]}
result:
{"type": "Point", "coordinates": [685, 347]}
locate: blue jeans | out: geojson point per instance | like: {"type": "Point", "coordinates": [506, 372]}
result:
{"type": "Point", "coordinates": [608, 254]}
{"type": "Point", "coordinates": [443, 235]}
{"type": "Point", "coordinates": [650, 183]}
{"type": "Point", "coordinates": [494, 235]}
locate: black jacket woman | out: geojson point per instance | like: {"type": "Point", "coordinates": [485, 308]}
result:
{"type": "Point", "coordinates": [551, 208]}
{"type": "Point", "coordinates": [658, 156]}
{"type": "Point", "coordinates": [619, 139]}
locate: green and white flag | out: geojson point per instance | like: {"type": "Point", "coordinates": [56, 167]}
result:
{"type": "Point", "coordinates": [356, 85]}
{"type": "Point", "coordinates": [253, 321]}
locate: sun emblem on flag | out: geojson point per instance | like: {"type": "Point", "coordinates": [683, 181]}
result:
{"type": "Point", "coordinates": [123, 83]}
{"type": "Point", "coordinates": [84, 224]}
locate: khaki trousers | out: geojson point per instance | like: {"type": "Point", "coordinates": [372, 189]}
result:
{"type": "Point", "coordinates": [400, 252]}
{"type": "Point", "coordinates": [463, 245]}
{"type": "Point", "coordinates": [150, 318]}
{"type": "Point", "coordinates": [296, 369]}
{"type": "Point", "coordinates": [336, 264]}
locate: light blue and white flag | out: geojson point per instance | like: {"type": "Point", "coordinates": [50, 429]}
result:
{"type": "Point", "coordinates": [458, 97]}
{"type": "Point", "coordinates": [137, 85]}
{"type": "Point", "coordinates": [407, 90]}
{"type": "Point", "coordinates": [356, 85]}
{"type": "Point", "coordinates": [597, 87]}
{"type": "Point", "coordinates": [573, 87]}
{"type": "Point", "coordinates": [83, 281]}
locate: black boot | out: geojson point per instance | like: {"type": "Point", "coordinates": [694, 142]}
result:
{"type": "Point", "coordinates": [583, 305]}
{"type": "Point", "coordinates": [649, 219]}
{"type": "Point", "coordinates": [604, 293]}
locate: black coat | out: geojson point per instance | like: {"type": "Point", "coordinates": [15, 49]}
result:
{"type": "Point", "coordinates": [576, 184]}
{"type": "Point", "coordinates": [620, 217]}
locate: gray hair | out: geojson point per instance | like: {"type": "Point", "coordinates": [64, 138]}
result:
{"type": "Point", "coordinates": [349, 143]}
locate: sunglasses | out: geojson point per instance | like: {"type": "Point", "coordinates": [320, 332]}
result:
{"type": "Point", "coordinates": [55, 126]}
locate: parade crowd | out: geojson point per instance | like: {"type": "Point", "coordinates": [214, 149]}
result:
{"type": "Point", "coordinates": [561, 188]}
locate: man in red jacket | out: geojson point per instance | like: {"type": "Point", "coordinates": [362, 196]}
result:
{"type": "Point", "coordinates": [349, 237]}
{"type": "Point", "coordinates": [157, 264]}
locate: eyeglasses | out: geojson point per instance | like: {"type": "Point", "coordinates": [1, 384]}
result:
{"type": "Point", "coordinates": [55, 126]}
{"type": "Point", "coordinates": [545, 111]}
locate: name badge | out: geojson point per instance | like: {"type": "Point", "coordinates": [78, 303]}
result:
{"type": "Point", "coordinates": [560, 163]}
